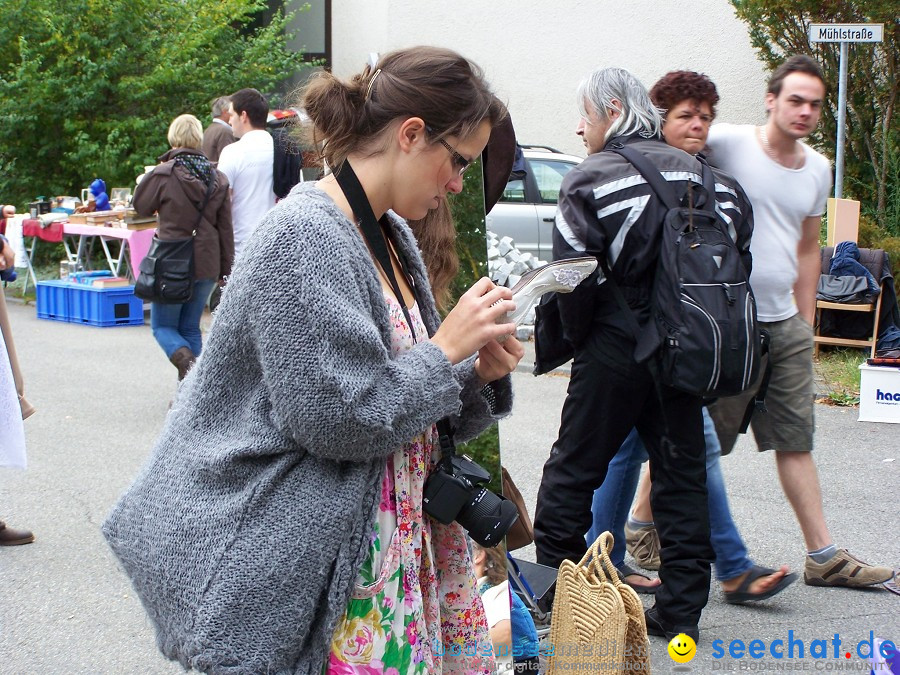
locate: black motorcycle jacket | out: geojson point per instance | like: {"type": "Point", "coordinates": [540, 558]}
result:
{"type": "Point", "coordinates": [606, 208]}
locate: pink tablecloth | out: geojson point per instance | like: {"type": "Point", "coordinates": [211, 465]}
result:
{"type": "Point", "coordinates": [138, 240]}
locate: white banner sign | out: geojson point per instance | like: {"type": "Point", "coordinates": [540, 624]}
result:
{"type": "Point", "coordinates": [846, 32]}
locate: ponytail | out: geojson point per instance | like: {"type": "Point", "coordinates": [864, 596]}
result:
{"type": "Point", "coordinates": [446, 90]}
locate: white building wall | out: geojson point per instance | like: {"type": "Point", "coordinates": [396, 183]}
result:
{"type": "Point", "coordinates": [535, 52]}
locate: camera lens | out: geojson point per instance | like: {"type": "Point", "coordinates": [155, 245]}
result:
{"type": "Point", "coordinates": [487, 517]}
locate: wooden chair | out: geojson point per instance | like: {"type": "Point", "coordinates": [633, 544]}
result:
{"type": "Point", "coordinates": [872, 260]}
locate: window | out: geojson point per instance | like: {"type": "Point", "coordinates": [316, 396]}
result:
{"type": "Point", "coordinates": [514, 191]}
{"type": "Point", "coordinates": [549, 174]}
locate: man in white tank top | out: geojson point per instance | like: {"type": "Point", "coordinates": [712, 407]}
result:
{"type": "Point", "coordinates": [788, 184]}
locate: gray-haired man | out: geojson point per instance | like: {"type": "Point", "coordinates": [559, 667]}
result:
{"type": "Point", "coordinates": [219, 133]}
{"type": "Point", "coordinates": [607, 209]}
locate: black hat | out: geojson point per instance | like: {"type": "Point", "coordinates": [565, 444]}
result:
{"type": "Point", "coordinates": [497, 160]}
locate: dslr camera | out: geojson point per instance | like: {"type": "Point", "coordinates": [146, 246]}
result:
{"type": "Point", "coordinates": [455, 491]}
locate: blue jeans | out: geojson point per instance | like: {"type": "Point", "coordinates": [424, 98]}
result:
{"type": "Point", "coordinates": [613, 500]}
{"type": "Point", "coordinates": [176, 326]}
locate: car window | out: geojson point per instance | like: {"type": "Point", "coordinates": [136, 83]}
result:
{"type": "Point", "coordinates": [514, 192]}
{"type": "Point", "coordinates": [549, 174]}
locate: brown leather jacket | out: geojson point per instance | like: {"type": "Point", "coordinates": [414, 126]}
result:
{"type": "Point", "coordinates": [176, 194]}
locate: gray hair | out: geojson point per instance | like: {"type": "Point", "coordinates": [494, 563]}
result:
{"type": "Point", "coordinates": [220, 105]}
{"type": "Point", "coordinates": [638, 114]}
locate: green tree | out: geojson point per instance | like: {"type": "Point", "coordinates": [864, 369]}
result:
{"type": "Point", "coordinates": [780, 28]}
{"type": "Point", "coordinates": [467, 208]}
{"type": "Point", "coordinates": [88, 88]}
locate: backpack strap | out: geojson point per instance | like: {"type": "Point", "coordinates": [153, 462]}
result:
{"type": "Point", "coordinates": [757, 404]}
{"type": "Point", "coordinates": [709, 181]}
{"type": "Point", "coordinates": [646, 342]}
{"type": "Point", "coordinates": [654, 178]}
{"type": "Point", "coordinates": [660, 185]}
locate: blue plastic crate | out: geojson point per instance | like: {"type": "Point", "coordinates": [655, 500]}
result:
{"type": "Point", "coordinates": [78, 303]}
{"type": "Point", "coordinates": [53, 300]}
{"type": "Point", "coordinates": [105, 306]}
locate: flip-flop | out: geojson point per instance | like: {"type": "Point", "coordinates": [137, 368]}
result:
{"type": "Point", "coordinates": [742, 594]}
{"type": "Point", "coordinates": [626, 570]}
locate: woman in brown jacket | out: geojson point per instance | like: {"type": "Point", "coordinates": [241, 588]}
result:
{"type": "Point", "coordinates": [176, 190]}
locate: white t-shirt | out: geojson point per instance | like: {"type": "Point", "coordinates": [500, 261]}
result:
{"type": "Point", "coordinates": [248, 163]}
{"type": "Point", "coordinates": [782, 198]}
{"type": "Point", "coordinates": [496, 608]}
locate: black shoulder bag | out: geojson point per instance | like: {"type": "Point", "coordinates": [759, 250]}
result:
{"type": "Point", "coordinates": [167, 272]}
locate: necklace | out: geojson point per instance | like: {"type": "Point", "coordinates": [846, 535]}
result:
{"type": "Point", "coordinates": [794, 162]}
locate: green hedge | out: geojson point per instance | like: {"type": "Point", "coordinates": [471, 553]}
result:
{"type": "Point", "coordinates": [471, 246]}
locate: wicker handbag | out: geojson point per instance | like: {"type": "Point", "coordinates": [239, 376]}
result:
{"type": "Point", "coordinates": [597, 620]}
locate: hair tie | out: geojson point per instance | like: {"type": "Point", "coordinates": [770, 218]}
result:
{"type": "Point", "coordinates": [371, 82]}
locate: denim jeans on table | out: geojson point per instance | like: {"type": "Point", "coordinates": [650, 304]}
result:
{"type": "Point", "coordinates": [613, 499]}
{"type": "Point", "coordinates": [176, 326]}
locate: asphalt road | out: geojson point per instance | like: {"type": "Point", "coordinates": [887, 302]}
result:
{"type": "Point", "coordinates": [102, 395]}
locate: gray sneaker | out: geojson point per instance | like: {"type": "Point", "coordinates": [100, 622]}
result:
{"type": "Point", "coordinates": [844, 569]}
{"type": "Point", "coordinates": [643, 545]}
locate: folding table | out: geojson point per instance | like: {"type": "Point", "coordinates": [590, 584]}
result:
{"type": "Point", "coordinates": [78, 241]}
{"type": "Point", "coordinates": [137, 242]}
{"type": "Point", "coordinates": [34, 229]}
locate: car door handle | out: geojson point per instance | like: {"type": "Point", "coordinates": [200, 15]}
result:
{"type": "Point", "coordinates": [550, 220]}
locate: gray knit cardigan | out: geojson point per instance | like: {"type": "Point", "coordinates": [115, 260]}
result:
{"type": "Point", "coordinates": [244, 533]}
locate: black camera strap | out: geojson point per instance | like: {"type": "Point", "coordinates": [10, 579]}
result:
{"type": "Point", "coordinates": [377, 235]}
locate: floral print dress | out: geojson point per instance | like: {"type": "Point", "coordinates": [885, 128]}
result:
{"type": "Point", "coordinates": [415, 608]}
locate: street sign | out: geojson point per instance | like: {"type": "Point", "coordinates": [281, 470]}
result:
{"type": "Point", "coordinates": [846, 32]}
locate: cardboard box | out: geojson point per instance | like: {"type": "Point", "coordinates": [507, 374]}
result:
{"type": "Point", "coordinates": [843, 221]}
{"type": "Point", "coordinates": [879, 394]}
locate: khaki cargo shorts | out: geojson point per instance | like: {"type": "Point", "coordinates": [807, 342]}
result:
{"type": "Point", "coordinates": [788, 424]}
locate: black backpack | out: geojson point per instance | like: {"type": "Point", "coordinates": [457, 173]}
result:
{"type": "Point", "coordinates": [706, 338]}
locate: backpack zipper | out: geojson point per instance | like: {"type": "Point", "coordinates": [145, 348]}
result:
{"type": "Point", "coordinates": [686, 299]}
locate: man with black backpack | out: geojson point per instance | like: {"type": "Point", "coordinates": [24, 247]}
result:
{"type": "Point", "coordinates": [608, 209]}
{"type": "Point", "coordinates": [688, 101]}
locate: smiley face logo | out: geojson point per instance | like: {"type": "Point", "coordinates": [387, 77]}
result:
{"type": "Point", "coordinates": [682, 648]}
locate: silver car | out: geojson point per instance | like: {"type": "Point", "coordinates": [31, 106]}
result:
{"type": "Point", "coordinates": [527, 210]}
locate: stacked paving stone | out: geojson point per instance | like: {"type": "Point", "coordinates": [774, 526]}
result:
{"type": "Point", "coordinates": [506, 265]}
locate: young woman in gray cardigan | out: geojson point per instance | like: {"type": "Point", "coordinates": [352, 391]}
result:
{"type": "Point", "coordinates": [258, 536]}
